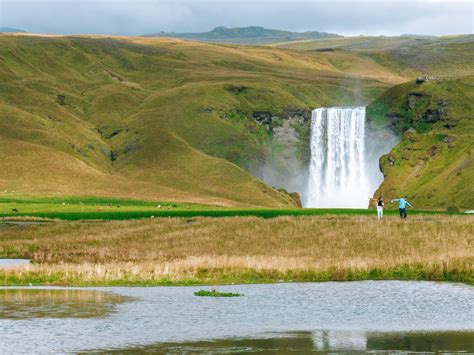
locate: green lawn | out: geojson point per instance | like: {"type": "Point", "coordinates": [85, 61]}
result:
{"type": "Point", "coordinates": [84, 208]}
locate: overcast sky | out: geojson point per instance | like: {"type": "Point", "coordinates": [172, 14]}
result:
{"type": "Point", "coordinates": [133, 17]}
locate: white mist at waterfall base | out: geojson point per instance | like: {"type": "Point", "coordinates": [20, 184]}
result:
{"type": "Point", "coordinates": [340, 175]}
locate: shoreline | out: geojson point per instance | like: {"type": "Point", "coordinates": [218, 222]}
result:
{"type": "Point", "coordinates": [8, 279]}
{"type": "Point", "coordinates": [160, 285]}
{"type": "Point", "coordinates": [79, 216]}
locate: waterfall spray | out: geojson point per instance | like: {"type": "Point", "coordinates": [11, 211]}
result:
{"type": "Point", "coordinates": [338, 172]}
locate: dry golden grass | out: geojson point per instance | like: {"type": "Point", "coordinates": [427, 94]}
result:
{"type": "Point", "coordinates": [242, 249]}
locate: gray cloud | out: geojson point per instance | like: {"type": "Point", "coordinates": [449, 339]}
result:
{"type": "Point", "coordinates": [389, 17]}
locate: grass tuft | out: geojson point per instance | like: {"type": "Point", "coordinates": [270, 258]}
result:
{"type": "Point", "coordinates": [215, 293]}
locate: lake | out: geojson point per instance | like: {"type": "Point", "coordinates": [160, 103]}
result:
{"type": "Point", "coordinates": [305, 317]}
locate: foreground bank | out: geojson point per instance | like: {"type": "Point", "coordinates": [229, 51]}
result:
{"type": "Point", "coordinates": [183, 251]}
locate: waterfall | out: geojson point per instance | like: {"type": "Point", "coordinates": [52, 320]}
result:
{"type": "Point", "coordinates": [338, 172]}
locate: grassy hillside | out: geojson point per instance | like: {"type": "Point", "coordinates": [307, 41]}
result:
{"type": "Point", "coordinates": [158, 118]}
{"type": "Point", "coordinates": [446, 56]}
{"type": "Point", "coordinates": [247, 35]}
{"type": "Point", "coordinates": [174, 120]}
{"type": "Point", "coordinates": [434, 163]}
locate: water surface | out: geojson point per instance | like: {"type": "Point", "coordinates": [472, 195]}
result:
{"type": "Point", "coordinates": [333, 315]}
{"type": "Point", "coordinates": [56, 303]}
{"type": "Point", "coordinates": [13, 262]}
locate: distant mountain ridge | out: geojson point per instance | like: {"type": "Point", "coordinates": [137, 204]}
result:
{"type": "Point", "coordinates": [10, 29]}
{"type": "Point", "coordinates": [247, 35]}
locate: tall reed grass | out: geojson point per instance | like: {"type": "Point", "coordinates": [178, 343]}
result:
{"type": "Point", "coordinates": [242, 249]}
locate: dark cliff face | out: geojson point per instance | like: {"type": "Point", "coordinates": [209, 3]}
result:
{"type": "Point", "coordinates": [290, 129]}
{"type": "Point", "coordinates": [414, 108]}
{"type": "Point", "coordinates": [285, 163]}
{"type": "Point", "coordinates": [421, 110]}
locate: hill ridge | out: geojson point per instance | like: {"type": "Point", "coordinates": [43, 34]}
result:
{"type": "Point", "coordinates": [11, 29]}
{"type": "Point", "coordinates": [246, 35]}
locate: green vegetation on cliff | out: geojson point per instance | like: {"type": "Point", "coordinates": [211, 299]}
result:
{"type": "Point", "coordinates": [434, 163]}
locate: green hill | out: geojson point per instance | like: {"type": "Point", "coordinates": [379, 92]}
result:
{"type": "Point", "coordinates": [172, 120]}
{"type": "Point", "coordinates": [442, 56]}
{"type": "Point", "coordinates": [160, 118]}
{"type": "Point", "coordinates": [247, 35]}
{"type": "Point", "coordinates": [434, 162]}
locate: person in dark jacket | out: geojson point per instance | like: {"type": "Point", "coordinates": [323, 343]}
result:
{"type": "Point", "coordinates": [380, 206]}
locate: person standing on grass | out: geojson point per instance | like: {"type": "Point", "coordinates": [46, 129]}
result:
{"type": "Point", "coordinates": [380, 206]}
{"type": "Point", "coordinates": [402, 207]}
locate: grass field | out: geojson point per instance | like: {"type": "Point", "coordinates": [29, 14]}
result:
{"type": "Point", "coordinates": [100, 208]}
{"type": "Point", "coordinates": [178, 251]}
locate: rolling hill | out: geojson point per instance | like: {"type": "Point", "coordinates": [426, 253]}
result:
{"type": "Point", "coordinates": [247, 35]}
{"type": "Point", "coordinates": [448, 56]}
{"type": "Point", "coordinates": [10, 29]}
{"type": "Point", "coordinates": [158, 118]}
{"type": "Point", "coordinates": [167, 119]}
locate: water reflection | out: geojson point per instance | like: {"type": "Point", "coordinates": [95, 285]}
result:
{"type": "Point", "coordinates": [350, 340]}
{"type": "Point", "coordinates": [423, 342]}
{"type": "Point", "coordinates": [323, 342]}
{"type": "Point", "coordinates": [56, 303]}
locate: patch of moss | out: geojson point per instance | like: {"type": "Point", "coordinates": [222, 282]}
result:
{"type": "Point", "coordinates": [215, 293]}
